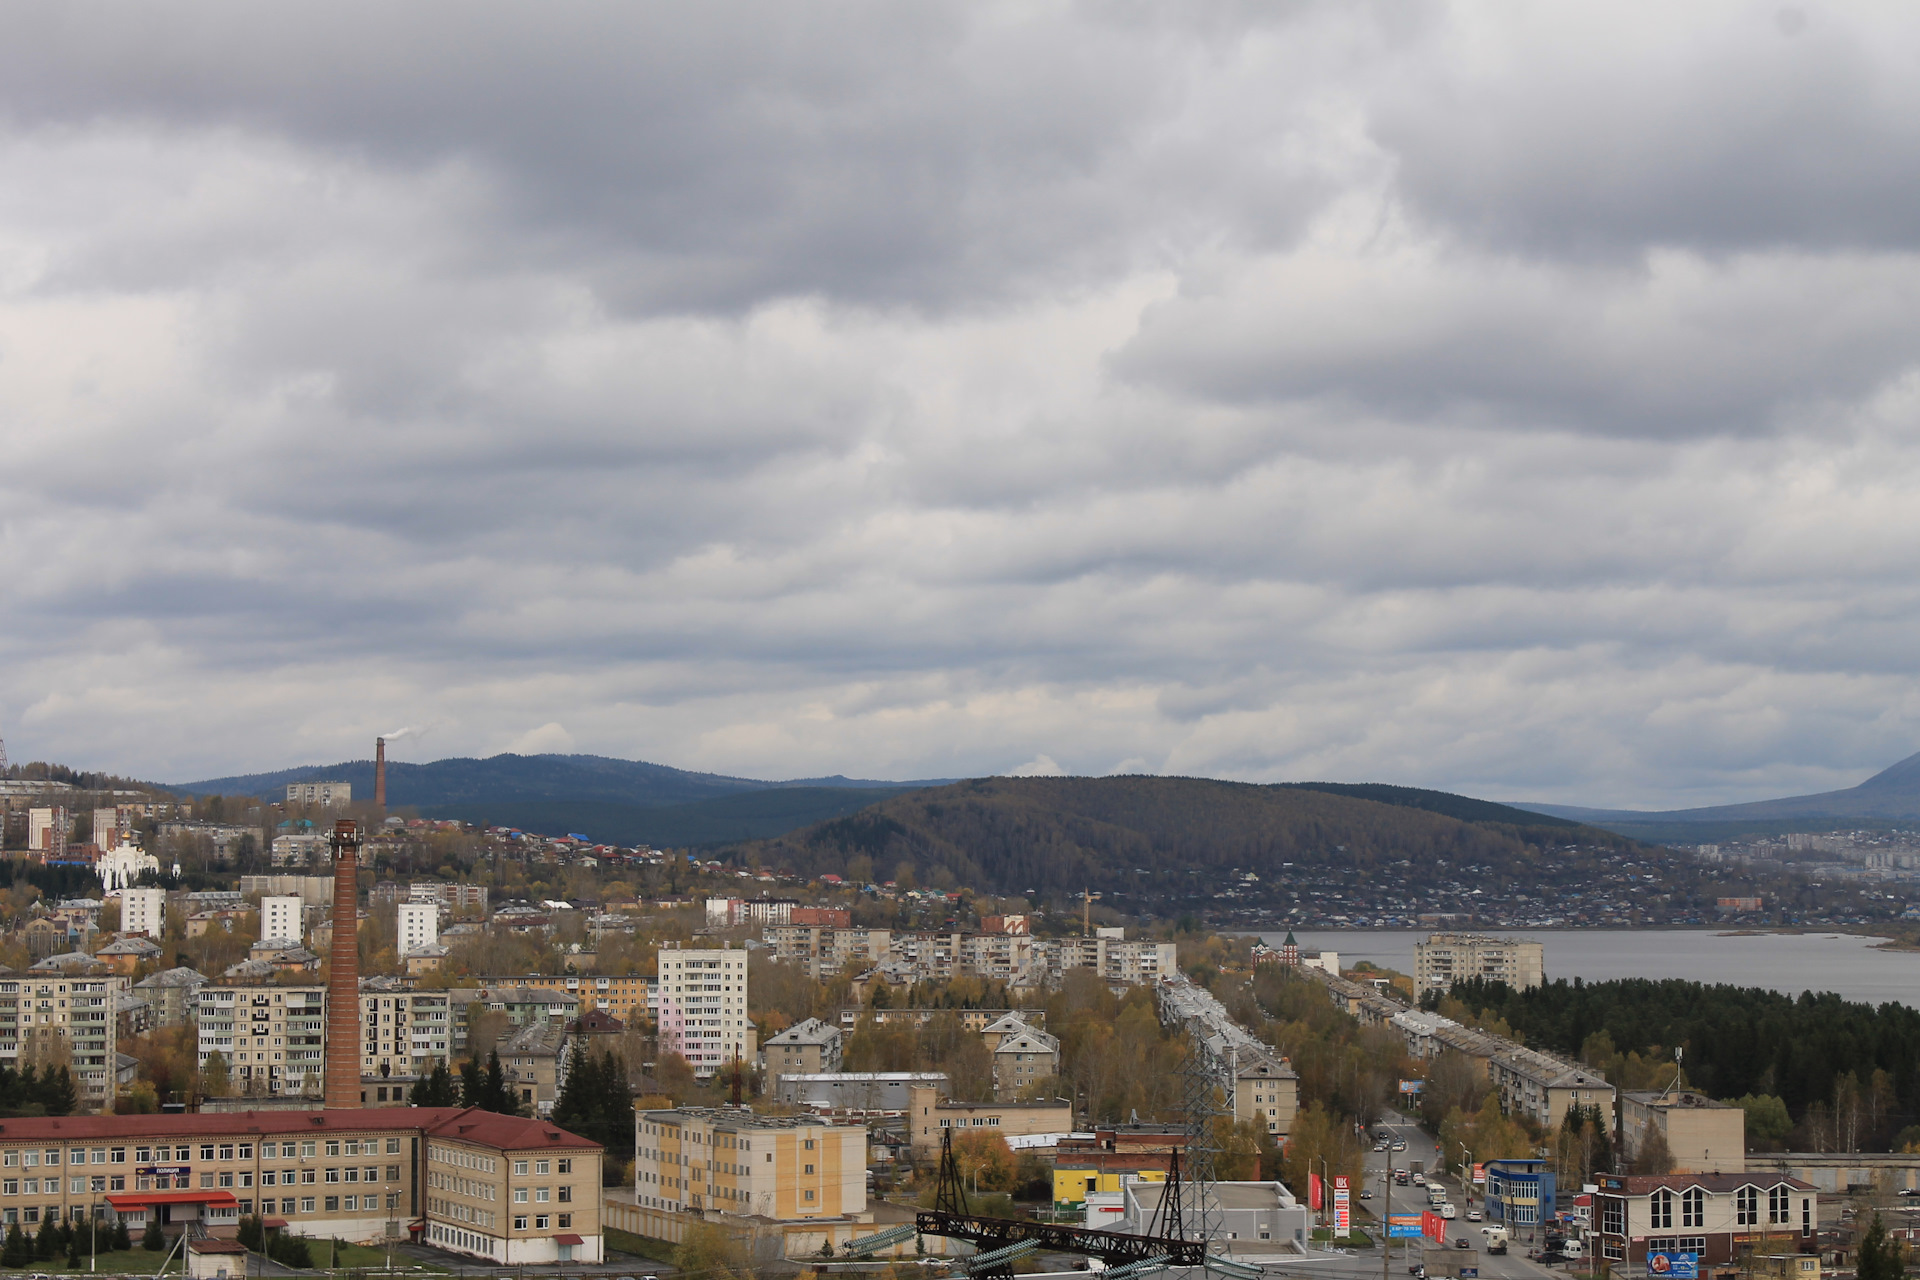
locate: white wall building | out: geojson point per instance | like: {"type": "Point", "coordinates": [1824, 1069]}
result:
{"type": "Point", "coordinates": [327, 795]}
{"type": "Point", "coordinates": [1446, 958]}
{"type": "Point", "coordinates": [703, 1007]}
{"type": "Point", "coordinates": [283, 919]}
{"type": "Point", "coordinates": [419, 925]}
{"type": "Point", "coordinates": [121, 866]}
{"type": "Point", "coordinates": [143, 911]}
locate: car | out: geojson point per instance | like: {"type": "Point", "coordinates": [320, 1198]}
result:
{"type": "Point", "coordinates": [1463, 1243]}
{"type": "Point", "coordinates": [1399, 1146]}
{"type": "Point", "coordinates": [1366, 1193]}
{"type": "Point", "coordinates": [1419, 1179]}
{"type": "Point", "coordinates": [1379, 1146]}
{"type": "Point", "coordinates": [1418, 1271]}
{"type": "Point", "coordinates": [1473, 1215]}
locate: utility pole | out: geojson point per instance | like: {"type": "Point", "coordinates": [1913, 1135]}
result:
{"type": "Point", "coordinates": [1386, 1221]}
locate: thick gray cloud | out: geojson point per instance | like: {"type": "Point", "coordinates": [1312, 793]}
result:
{"type": "Point", "coordinates": [1517, 401]}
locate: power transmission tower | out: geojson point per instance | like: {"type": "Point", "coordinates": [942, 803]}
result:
{"type": "Point", "coordinates": [1198, 1213]}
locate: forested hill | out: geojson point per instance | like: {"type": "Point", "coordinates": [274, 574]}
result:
{"type": "Point", "coordinates": [1171, 835]}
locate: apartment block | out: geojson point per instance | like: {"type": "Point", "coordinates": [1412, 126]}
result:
{"type": "Point", "coordinates": [143, 911]}
{"type": "Point", "coordinates": [1022, 1056]}
{"type": "Point", "coordinates": [810, 1047]}
{"type": "Point", "coordinates": [48, 830]}
{"type": "Point", "coordinates": [453, 897]}
{"type": "Point", "coordinates": [283, 919]}
{"type": "Point", "coordinates": [703, 1007]}
{"type": "Point", "coordinates": [1703, 1136]}
{"type": "Point", "coordinates": [419, 925]}
{"type": "Point", "coordinates": [708, 1160]}
{"type": "Point", "coordinates": [172, 995]}
{"type": "Point", "coordinates": [929, 1113]}
{"type": "Point", "coordinates": [536, 1059]}
{"type": "Point", "coordinates": [271, 1036]}
{"type": "Point", "coordinates": [403, 1034]}
{"type": "Point", "coordinates": [625, 996]}
{"type": "Point", "coordinates": [328, 795]}
{"type": "Point", "coordinates": [1446, 958]}
{"type": "Point", "coordinates": [1266, 1087]}
{"type": "Point", "coordinates": [56, 1018]}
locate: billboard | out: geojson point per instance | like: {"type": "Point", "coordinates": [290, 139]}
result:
{"type": "Point", "coordinates": [1342, 1213]}
{"type": "Point", "coordinates": [1403, 1226]}
{"type": "Point", "coordinates": [1480, 1175]}
{"type": "Point", "coordinates": [1674, 1266]}
{"type": "Point", "coordinates": [1412, 1086]}
{"type": "Point", "coordinates": [1313, 1192]}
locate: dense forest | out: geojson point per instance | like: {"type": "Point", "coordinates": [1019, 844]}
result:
{"type": "Point", "coordinates": [1060, 835]}
{"type": "Point", "coordinates": [1816, 1072]}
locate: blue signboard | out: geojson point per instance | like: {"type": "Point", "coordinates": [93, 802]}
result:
{"type": "Point", "coordinates": [1403, 1226]}
{"type": "Point", "coordinates": [1674, 1266]}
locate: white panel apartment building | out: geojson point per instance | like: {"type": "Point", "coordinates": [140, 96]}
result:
{"type": "Point", "coordinates": [143, 911]}
{"type": "Point", "coordinates": [419, 925]}
{"type": "Point", "coordinates": [703, 1007]}
{"type": "Point", "coordinates": [282, 919]}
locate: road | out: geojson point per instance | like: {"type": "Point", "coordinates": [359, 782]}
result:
{"type": "Point", "coordinates": [1421, 1149]}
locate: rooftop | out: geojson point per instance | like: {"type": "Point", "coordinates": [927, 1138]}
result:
{"type": "Point", "coordinates": [515, 1133]}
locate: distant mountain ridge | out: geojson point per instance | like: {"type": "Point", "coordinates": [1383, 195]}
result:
{"type": "Point", "coordinates": [512, 777]}
{"type": "Point", "coordinates": [1134, 835]}
{"type": "Point", "coordinates": [1893, 794]}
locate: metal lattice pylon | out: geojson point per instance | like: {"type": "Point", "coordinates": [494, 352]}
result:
{"type": "Point", "coordinates": [1199, 1212]}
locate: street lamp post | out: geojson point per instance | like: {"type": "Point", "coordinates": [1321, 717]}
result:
{"type": "Point", "coordinates": [1466, 1175]}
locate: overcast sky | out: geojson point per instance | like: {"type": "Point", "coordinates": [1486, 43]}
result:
{"type": "Point", "coordinates": [1517, 399]}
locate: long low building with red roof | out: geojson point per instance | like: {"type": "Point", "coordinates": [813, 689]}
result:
{"type": "Point", "coordinates": [504, 1188]}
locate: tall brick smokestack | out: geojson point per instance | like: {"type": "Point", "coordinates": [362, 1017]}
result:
{"type": "Point", "coordinates": [380, 774]}
{"type": "Point", "coordinates": [343, 984]}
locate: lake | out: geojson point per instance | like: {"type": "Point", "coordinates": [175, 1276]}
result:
{"type": "Point", "coordinates": [1786, 962]}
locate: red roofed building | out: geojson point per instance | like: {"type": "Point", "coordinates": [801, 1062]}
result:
{"type": "Point", "coordinates": [504, 1188]}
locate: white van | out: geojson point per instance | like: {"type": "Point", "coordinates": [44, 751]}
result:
{"type": "Point", "coordinates": [1448, 1211]}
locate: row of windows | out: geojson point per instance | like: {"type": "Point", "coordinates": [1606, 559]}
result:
{"type": "Point", "coordinates": [1693, 1209]}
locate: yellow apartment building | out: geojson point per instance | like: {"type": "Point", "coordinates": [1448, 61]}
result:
{"type": "Point", "coordinates": [729, 1160]}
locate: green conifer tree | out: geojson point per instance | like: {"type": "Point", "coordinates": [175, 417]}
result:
{"type": "Point", "coordinates": [155, 1239]}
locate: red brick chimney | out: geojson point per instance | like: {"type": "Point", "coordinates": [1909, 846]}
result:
{"type": "Point", "coordinates": [380, 773]}
{"type": "Point", "coordinates": [343, 983]}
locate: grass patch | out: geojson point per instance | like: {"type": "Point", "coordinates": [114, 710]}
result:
{"type": "Point", "coordinates": [134, 1261]}
{"type": "Point", "coordinates": [353, 1256]}
{"type": "Point", "coordinates": [640, 1246]}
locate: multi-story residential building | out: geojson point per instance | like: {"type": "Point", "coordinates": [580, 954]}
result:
{"type": "Point", "coordinates": [361, 1176]}
{"type": "Point", "coordinates": [50, 1018]}
{"type": "Point", "coordinates": [299, 849]}
{"type": "Point", "coordinates": [702, 1160]}
{"type": "Point", "coordinates": [271, 1035]}
{"type": "Point", "coordinates": [1266, 1087]}
{"type": "Point", "coordinates": [1542, 1086]}
{"type": "Point", "coordinates": [536, 1059]}
{"type": "Point", "coordinates": [1714, 1216]}
{"type": "Point", "coordinates": [328, 795]}
{"type": "Point", "coordinates": [143, 911]}
{"type": "Point", "coordinates": [48, 830]}
{"type": "Point", "coordinates": [453, 897]}
{"type": "Point", "coordinates": [625, 996]}
{"type": "Point", "coordinates": [1446, 958]}
{"type": "Point", "coordinates": [810, 1047]}
{"type": "Point", "coordinates": [419, 925]}
{"type": "Point", "coordinates": [283, 918]}
{"type": "Point", "coordinates": [703, 1006]}
{"type": "Point", "coordinates": [1022, 1056]}
{"type": "Point", "coordinates": [824, 951]}
{"type": "Point", "coordinates": [1702, 1135]}
{"type": "Point", "coordinates": [172, 995]}
{"type": "Point", "coordinates": [403, 1034]}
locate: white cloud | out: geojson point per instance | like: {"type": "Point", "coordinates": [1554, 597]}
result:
{"type": "Point", "coordinates": [1309, 392]}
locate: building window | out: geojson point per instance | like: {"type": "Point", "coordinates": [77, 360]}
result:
{"type": "Point", "coordinates": [566, 1166]}
{"type": "Point", "coordinates": [306, 1204]}
{"type": "Point", "coordinates": [1693, 1208]}
{"type": "Point", "coordinates": [1662, 1206]}
{"type": "Point", "coordinates": [333, 1204]}
{"type": "Point", "coordinates": [1779, 1205]}
{"type": "Point", "coordinates": [566, 1195]}
{"type": "Point", "coordinates": [520, 1222]}
{"type": "Point", "coordinates": [519, 1195]}
{"type": "Point", "coordinates": [1613, 1217]}
{"type": "Point", "coordinates": [520, 1168]}
{"type": "Point", "coordinates": [1746, 1207]}
{"type": "Point", "coordinates": [540, 1222]}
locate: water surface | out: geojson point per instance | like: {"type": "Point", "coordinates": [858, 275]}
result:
{"type": "Point", "coordinates": [1791, 963]}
